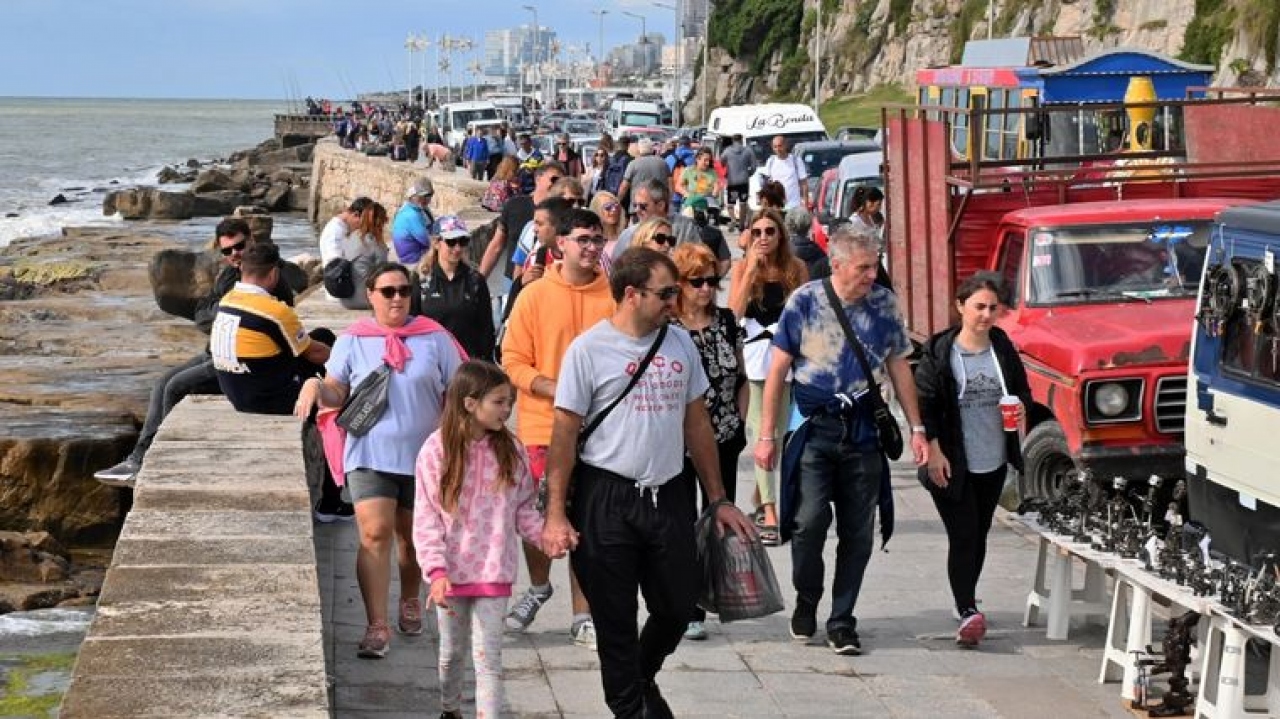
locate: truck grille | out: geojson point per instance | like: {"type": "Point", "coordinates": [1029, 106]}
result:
{"type": "Point", "coordinates": [1171, 404]}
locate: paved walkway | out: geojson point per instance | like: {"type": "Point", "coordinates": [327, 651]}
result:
{"type": "Point", "coordinates": [911, 667]}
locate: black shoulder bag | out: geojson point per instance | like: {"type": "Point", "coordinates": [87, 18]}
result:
{"type": "Point", "coordinates": [635, 378]}
{"type": "Point", "coordinates": [887, 429]}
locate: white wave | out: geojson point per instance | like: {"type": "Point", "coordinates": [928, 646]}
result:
{"type": "Point", "coordinates": [44, 621]}
{"type": "Point", "coordinates": [46, 222]}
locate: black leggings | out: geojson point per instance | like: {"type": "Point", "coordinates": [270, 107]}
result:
{"type": "Point", "coordinates": [968, 520]}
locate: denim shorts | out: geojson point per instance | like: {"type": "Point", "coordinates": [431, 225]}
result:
{"type": "Point", "coordinates": [370, 483]}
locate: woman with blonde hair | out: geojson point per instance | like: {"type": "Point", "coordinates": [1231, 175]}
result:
{"type": "Point", "coordinates": [716, 334]}
{"type": "Point", "coordinates": [612, 219]}
{"type": "Point", "coordinates": [655, 233]}
{"type": "Point", "coordinates": [758, 289]}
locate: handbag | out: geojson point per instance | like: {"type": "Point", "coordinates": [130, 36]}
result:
{"type": "Point", "coordinates": [887, 430]}
{"type": "Point", "coordinates": [635, 379]}
{"type": "Point", "coordinates": [367, 403]}
{"type": "Point", "coordinates": [339, 280]}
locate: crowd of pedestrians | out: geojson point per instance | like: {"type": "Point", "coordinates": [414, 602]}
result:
{"type": "Point", "coordinates": [608, 371]}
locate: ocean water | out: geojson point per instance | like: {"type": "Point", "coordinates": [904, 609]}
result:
{"type": "Point", "coordinates": [82, 148]}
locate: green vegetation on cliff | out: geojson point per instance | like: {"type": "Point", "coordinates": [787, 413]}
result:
{"type": "Point", "coordinates": [754, 30]}
{"type": "Point", "coordinates": [1212, 27]}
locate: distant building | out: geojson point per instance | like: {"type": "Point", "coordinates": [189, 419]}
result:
{"type": "Point", "coordinates": [695, 17]}
{"type": "Point", "coordinates": [507, 51]}
{"type": "Point", "coordinates": [642, 57]}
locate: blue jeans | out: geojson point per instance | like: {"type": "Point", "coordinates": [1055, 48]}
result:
{"type": "Point", "coordinates": [834, 471]}
{"type": "Point", "coordinates": [195, 376]}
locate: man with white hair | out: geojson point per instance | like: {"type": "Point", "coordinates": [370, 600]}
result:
{"type": "Point", "coordinates": [647, 168]}
{"type": "Point", "coordinates": [835, 463]}
{"type": "Point", "coordinates": [653, 199]}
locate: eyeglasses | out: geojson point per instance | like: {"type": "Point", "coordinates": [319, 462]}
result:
{"type": "Point", "coordinates": [427, 195]}
{"type": "Point", "coordinates": [769, 231]}
{"type": "Point", "coordinates": [664, 239]}
{"type": "Point", "coordinates": [553, 179]}
{"type": "Point", "coordinates": [584, 240]}
{"type": "Point", "coordinates": [666, 294]}
{"type": "Point", "coordinates": [389, 292]}
{"type": "Point", "coordinates": [698, 282]}
{"type": "Point", "coordinates": [639, 206]}
{"type": "Point", "coordinates": [456, 241]}
{"type": "Point", "coordinates": [237, 247]}
{"type": "Point", "coordinates": [610, 207]}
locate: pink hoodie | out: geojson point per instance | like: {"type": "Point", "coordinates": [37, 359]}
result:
{"type": "Point", "coordinates": [475, 547]}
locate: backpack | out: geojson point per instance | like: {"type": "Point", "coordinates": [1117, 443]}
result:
{"type": "Point", "coordinates": [614, 171]}
{"type": "Point", "coordinates": [525, 174]}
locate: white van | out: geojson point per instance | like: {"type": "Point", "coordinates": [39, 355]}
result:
{"type": "Point", "coordinates": [625, 114]}
{"type": "Point", "coordinates": [758, 125]}
{"type": "Point", "coordinates": [456, 117]}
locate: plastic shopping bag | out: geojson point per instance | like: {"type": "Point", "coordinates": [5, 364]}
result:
{"type": "Point", "coordinates": [737, 577]}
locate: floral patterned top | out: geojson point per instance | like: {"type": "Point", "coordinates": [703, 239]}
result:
{"type": "Point", "coordinates": [719, 344]}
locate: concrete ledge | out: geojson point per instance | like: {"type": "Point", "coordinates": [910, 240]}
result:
{"type": "Point", "coordinates": [211, 606]}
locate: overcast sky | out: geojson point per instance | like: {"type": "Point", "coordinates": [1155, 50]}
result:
{"type": "Point", "coordinates": [268, 49]}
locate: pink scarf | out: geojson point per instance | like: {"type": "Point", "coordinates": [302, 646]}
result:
{"type": "Point", "coordinates": [397, 352]}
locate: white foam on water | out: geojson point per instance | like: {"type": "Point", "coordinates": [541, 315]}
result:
{"type": "Point", "coordinates": [49, 222]}
{"type": "Point", "coordinates": [41, 622]}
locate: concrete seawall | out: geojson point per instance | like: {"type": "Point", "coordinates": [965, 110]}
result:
{"type": "Point", "coordinates": [338, 176]}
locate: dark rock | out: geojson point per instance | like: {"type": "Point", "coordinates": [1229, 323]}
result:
{"type": "Point", "coordinates": [258, 192]}
{"type": "Point", "coordinates": [286, 176]}
{"type": "Point", "coordinates": [148, 203]}
{"type": "Point", "coordinates": [59, 199]}
{"type": "Point", "coordinates": [114, 182]}
{"type": "Point", "coordinates": [277, 197]}
{"type": "Point", "coordinates": [168, 175]}
{"type": "Point", "coordinates": [212, 204]}
{"type": "Point", "coordinates": [10, 215]}
{"type": "Point", "coordinates": [179, 278]}
{"type": "Point", "coordinates": [193, 163]}
{"type": "Point", "coordinates": [299, 199]}
{"type": "Point", "coordinates": [21, 560]}
{"type": "Point", "coordinates": [288, 141]}
{"type": "Point", "coordinates": [260, 225]}
{"type": "Point", "coordinates": [72, 189]}
{"type": "Point", "coordinates": [214, 180]}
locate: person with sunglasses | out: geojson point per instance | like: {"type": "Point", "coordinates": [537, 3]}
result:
{"type": "Point", "coordinates": [451, 292]}
{"type": "Point", "coordinates": [631, 525]}
{"type": "Point", "coordinates": [567, 156]}
{"type": "Point", "coordinates": [231, 238]}
{"type": "Point", "coordinates": [612, 219]}
{"type": "Point", "coordinates": [758, 289]}
{"type": "Point", "coordinates": [716, 334]}
{"type": "Point", "coordinates": [378, 466]}
{"type": "Point", "coordinates": [655, 233]}
{"type": "Point", "coordinates": [651, 200]}
{"type": "Point", "coordinates": [572, 296]}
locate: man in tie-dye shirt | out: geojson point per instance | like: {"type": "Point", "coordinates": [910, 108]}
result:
{"type": "Point", "coordinates": [839, 460]}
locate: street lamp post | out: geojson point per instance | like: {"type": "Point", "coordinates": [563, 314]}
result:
{"type": "Point", "coordinates": [536, 41]}
{"type": "Point", "coordinates": [817, 59]}
{"type": "Point", "coordinates": [600, 47]}
{"type": "Point", "coordinates": [677, 97]}
{"type": "Point", "coordinates": [410, 46]}
{"type": "Point", "coordinates": [644, 36]}
{"type": "Point", "coordinates": [706, 57]}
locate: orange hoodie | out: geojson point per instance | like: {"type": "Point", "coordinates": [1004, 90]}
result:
{"type": "Point", "coordinates": [547, 316]}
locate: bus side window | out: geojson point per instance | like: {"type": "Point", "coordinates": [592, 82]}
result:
{"type": "Point", "coordinates": [1011, 264]}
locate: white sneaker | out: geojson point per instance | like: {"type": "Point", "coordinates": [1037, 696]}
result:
{"type": "Point", "coordinates": [696, 631]}
{"type": "Point", "coordinates": [584, 634]}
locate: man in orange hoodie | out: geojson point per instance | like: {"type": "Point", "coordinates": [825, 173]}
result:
{"type": "Point", "coordinates": [546, 317]}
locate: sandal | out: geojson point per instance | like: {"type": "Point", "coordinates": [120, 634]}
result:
{"type": "Point", "coordinates": [758, 516]}
{"type": "Point", "coordinates": [769, 536]}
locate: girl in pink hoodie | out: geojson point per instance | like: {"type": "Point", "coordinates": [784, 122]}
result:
{"type": "Point", "coordinates": [474, 494]}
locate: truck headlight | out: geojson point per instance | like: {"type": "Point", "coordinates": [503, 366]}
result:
{"type": "Point", "coordinates": [1110, 401]}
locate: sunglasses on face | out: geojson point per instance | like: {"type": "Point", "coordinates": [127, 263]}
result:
{"type": "Point", "coordinates": [610, 207]}
{"type": "Point", "coordinates": [769, 231]}
{"type": "Point", "coordinates": [697, 283]}
{"type": "Point", "coordinates": [584, 240]}
{"type": "Point", "coordinates": [391, 291]}
{"type": "Point", "coordinates": [666, 294]}
{"type": "Point", "coordinates": [664, 239]}
{"type": "Point", "coordinates": [456, 241]}
{"type": "Point", "coordinates": [237, 247]}
{"type": "Point", "coordinates": [639, 206]}
{"type": "Point", "coordinates": [553, 179]}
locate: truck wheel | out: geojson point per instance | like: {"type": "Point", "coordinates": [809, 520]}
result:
{"type": "Point", "coordinates": [1047, 461]}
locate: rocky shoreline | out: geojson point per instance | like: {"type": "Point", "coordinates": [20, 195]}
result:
{"type": "Point", "coordinates": [82, 340]}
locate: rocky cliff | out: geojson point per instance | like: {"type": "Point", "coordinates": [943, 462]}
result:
{"type": "Point", "coordinates": [764, 49]}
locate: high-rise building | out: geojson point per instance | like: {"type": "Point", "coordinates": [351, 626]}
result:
{"type": "Point", "coordinates": [507, 51]}
{"type": "Point", "coordinates": [695, 16]}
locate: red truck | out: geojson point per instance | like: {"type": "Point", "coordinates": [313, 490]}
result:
{"type": "Point", "coordinates": [1101, 261]}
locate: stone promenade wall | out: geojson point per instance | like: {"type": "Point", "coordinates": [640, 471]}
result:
{"type": "Point", "coordinates": [211, 606]}
{"type": "Point", "coordinates": [338, 176]}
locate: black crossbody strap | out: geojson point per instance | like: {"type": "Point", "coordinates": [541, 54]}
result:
{"type": "Point", "coordinates": [850, 335]}
{"type": "Point", "coordinates": [635, 379]}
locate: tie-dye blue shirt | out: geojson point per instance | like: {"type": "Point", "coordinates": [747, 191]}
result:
{"type": "Point", "coordinates": [810, 332]}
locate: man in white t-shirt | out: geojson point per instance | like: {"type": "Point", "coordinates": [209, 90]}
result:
{"type": "Point", "coordinates": [789, 170]}
{"type": "Point", "coordinates": [333, 238]}
{"type": "Point", "coordinates": [637, 525]}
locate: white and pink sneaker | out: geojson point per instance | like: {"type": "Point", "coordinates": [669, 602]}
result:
{"type": "Point", "coordinates": [972, 629]}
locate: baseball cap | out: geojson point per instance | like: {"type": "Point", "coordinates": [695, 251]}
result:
{"type": "Point", "coordinates": [420, 186]}
{"type": "Point", "coordinates": [450, 226]}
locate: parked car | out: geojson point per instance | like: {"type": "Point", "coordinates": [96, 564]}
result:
{"type": "Point", "coordinates": [822, 155]}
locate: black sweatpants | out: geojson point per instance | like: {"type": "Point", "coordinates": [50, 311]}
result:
{"type": "Point", "coordinates": [967, 518]}
{"type": "Point", "coordinates": [633, 539]}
